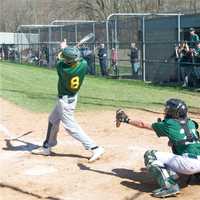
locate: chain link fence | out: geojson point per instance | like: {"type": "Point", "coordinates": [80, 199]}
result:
{"type": "Point", "coordinates": [152, 39]}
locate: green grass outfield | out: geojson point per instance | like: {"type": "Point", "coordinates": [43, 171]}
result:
{"type": "Point", "coordinates": [34, 88]}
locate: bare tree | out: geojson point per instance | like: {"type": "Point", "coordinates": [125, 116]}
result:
{"type": "Point", "coordinates": [16, 12]}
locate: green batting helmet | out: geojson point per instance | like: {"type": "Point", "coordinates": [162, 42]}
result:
{"type": "Point", "coordinates": [70, 55]}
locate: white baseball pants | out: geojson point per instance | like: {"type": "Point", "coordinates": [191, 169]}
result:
{"type": "Point", "coordinates": [179, 164]}
{"type": "Point", "coordinates": [64, 111]}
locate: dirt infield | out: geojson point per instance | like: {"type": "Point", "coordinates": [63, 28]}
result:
{"type": "Point", "coordinates": [67, 175]}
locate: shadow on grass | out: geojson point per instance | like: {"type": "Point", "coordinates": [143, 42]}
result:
{"type": "Point", "coordinates": [33, 95]}
{"type": "Point", "coordinates": [105, 102]}
{"type": "Point", "coordinates": [115, 104]}
{"type": "Point", "coordinates": [17, 189]}
{"type": "Point", "coordinates": [97, 101]}
{"type": "Point", "coordinates": [110, 105]}
{"type": "Point", "coordinates": [173, 85]}
{"type": "Point", "coordinates": [106, 99]}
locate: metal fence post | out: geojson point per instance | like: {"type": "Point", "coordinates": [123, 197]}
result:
{"type": "Point", "coordinates": [39, 46]}
{"type": "Point", "coordinates": [143, 49]}
{"type": "Point", "coordinates": [116, 39]}
{"type": "Point", "coordinates": [94, 46]}
{"type": "Point", "coordinates": [107, 41]}
{"type": "Point", "coordinates": [61, 33]}
{"type": "Point", "coordinates": [50, 58]}
{"type": "Point", "coordinates": [179, 38]}
{"type": "Point", "coordinates": [21, 48]}
{"type": "Point", "coordinates": [76, 35]}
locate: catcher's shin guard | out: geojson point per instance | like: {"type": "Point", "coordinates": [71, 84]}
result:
{"type": "Point", "coordinates": [158, 170]}
{"type": "Point", "coordinates": [161, 175]}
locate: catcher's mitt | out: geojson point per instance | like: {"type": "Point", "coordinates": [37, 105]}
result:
{"type": "Point", "coordinates": [121, 116]}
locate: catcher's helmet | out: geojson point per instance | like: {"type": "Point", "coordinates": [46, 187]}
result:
{"type": "Point", "coordinates": [69, 55]}
{"type": "Point", "coordinates": [176, 108]}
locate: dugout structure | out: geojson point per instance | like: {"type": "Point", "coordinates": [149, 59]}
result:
{"type": "Point", "coordinates": [156, 35]}
{"type": "Point", "coordinates": [163, 34]}
{"type": "Point", "coordinates": [148, 42]}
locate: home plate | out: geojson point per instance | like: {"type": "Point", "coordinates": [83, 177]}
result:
{"type": "Point", "coordinates": [40, 170]}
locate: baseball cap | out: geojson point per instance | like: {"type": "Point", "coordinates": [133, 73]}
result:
{"type": "Point", "coordinates": [192, 29]}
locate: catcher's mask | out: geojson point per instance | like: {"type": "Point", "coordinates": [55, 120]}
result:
{"type": "Point", "coordinates": [176, 108]}
{"type": "Point", "coordinates": [69, 55]}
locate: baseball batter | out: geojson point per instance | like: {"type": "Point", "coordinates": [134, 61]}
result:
{"type": "Point", "coordinates": [184, 140]}
{"type": "Point", "coordinates": [71, 69]}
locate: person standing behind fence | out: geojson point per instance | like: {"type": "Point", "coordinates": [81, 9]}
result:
{"type": "Point", "coordinates": [5, 51]}
{"type": "Point", "coordinates": [185, 58]}
{"type": "Point", "coordinates": [134, 58]}
{"type": "Point", "coordinates": [197, 50]}
{"type": "Point", "coordinates": [197, 62]}
{"type": "Point", "coordinates": [45, 52]}
{"type": "Point", "coordinates": [87, 55]}
{"type": "Point", "coordinates": [193, 39]}
{"type": "Point", "coordinates": [114, 58]}
{"type": "Point", "coordinates": [102, 54]}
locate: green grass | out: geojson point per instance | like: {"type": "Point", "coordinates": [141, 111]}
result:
{"type": "Point", "coordinates": [34, 88]}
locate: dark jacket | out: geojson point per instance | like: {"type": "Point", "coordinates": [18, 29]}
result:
{"type": "Point", "coordinates": [134, 55]}
{"type": "Point", "coordinates": [102, 54]}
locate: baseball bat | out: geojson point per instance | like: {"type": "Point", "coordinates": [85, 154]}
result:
{"type": "Point", "coordinates": [11, 136]}
{"type": "Point", "coordinates": [86, 39]}
{"type": "Point", "coordinates": [82, 41]}
{"type": "Point", "coordinates": [22, 135]}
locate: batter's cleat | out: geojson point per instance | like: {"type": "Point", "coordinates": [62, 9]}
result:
{"type": "Point", "coordinates": [166, 192]}
{"type": "Point", "coordinates": [97, 153]}
{"type": "Point", "coordinates": [42, 151]}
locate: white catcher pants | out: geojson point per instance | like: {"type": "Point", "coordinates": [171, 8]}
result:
{"type": "Point", "coordinates": [64, 111]}
{"type": "Point", "coordinates": [178, 164]}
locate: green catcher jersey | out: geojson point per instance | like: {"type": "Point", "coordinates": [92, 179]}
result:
{"type": "Point", "coordinates": [70, 78]}
{"type": "Point", "coordinates": [195, 38]}
{"type": "Point", "coordinates": [173, 130]}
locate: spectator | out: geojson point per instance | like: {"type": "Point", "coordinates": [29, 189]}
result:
{"type": "Point", "coordinates": [5, 51]}
{"type": "Point", "coordinates": [181, 51]}
{"type": "Point", "coordinates": [197, 50]}
{"type": "Point", "coordinates": [193, 39]}
{"type": "Point", "coordinates": [197, 64]}
{"type": "Point", "coordinates": [102, 54]}
{"type": "Point", "coordinates": [114, 58]}
{"type": "Point", "coordinates": [45, 51]}
{"type": "Point", "coordinates": [184, 57]}
{"type": "Point", "coordinates": [42, 59]}
{"type": "Point", "coordinates": [93, 66]}
{"type": "Point", "coordinates": [88, 56]}
{"type": "Point", "coordinates": [134, 59]}
{"type": "Point", "coordinates": [11, 54]}
{"type": "Point", "coordinates": [1, 53]}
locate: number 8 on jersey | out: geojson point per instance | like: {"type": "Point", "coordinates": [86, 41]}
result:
{"type": "Point", "coordinates": [74, 82]}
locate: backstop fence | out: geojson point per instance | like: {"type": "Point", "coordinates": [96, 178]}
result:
{"type": "Point", "coordinates": [155, 37]}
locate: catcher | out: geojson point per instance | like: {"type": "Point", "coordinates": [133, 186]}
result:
{"type": "Point", "coordinates": [184, 140]}
{"type": "Point", "coordinates": [71, 69]}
